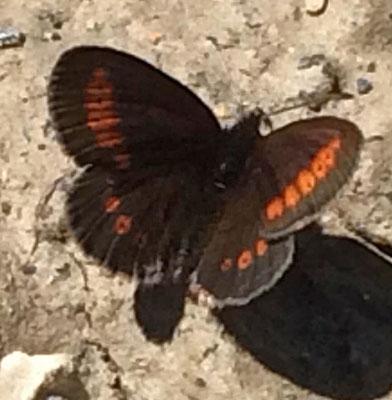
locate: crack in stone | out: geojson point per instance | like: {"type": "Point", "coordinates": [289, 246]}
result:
{"type": "Point", "coordinates": [112, 366]}
{"type": "Point", "coordinates": [39, 214]}
{"type": "Point", "coordinates": [83, 272]}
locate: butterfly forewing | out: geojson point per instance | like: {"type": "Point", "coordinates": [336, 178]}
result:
{"type": "Point", "coordinates": [303, 165]}
{"type": "Point", "coordinates": [145, 137]}
{"type": "Point", "coordinates": [113, 109]}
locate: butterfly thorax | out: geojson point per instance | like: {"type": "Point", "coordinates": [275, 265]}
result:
{"type": "Point", "coordinates": [235, 150]}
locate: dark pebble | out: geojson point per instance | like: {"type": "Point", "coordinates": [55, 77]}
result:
{"type": "Point", "coordinates": [364, 86]}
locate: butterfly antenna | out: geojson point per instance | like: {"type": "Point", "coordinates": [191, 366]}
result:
{"type": "Point", "coordinates": [313, 102]}
{"type": "Point", "coordinates": [281, 110]}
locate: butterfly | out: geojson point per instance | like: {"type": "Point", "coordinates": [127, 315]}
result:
{"type": "Point", "coordinates": [170, 196]}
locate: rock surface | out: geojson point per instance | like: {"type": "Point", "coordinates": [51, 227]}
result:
{"type": "Point", "coordinates": [24, 377]}
{"type": "Point", "coordinates": [53, 299]}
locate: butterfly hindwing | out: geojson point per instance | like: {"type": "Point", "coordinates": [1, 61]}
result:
{"type": "Point", "coordinates": [144, 225]}
{"type": "Point", "coordinates": [113, 109]}
{"type": "Point", "coordinates": [125, 220]}
{"type": "Point", "coordinates": [244, 272]}
{"type": "Point", "coordinates": [238, 264]}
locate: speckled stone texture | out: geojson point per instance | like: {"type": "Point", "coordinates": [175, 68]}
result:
{"type": "Point", "coordinates": [233, 54]}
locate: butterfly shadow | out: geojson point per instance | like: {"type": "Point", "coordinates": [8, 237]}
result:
{"type": "Point", "coordinates": [327, 325]}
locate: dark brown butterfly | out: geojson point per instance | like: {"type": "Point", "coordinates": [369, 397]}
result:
{"type": "Point", "coordinates": [168, 194]}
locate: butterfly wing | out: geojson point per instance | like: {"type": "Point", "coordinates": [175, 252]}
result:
{"type": "Point", "coordinates": [303, 165]}
{"type": "Point", "coordinates": [283, 183]}
{"type": "Point", "coordinates": [113, 109]}
{"type": "Point", "coordinates": [148, 145]}
{"type": "Point", "coordinates": [115, 217]}
{"type": "Point", "coordinates": [145, 138]}
{"type": "Point", "coordinates": [238, 264]}
{"type": "Point", "coordinates": [243, 274]}
{"type": "Point", "coordinates": [146, 225]}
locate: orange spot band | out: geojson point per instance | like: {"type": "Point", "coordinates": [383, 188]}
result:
{"type": "Point", "coordinates": [102, 117]}
{"type": "Point", "coordinates": [305, 181]}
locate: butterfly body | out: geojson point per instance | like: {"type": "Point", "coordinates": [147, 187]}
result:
{"type": "Point", "coordinates": [168, 195]}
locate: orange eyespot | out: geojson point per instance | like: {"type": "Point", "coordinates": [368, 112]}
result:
{"type": "Point", "coordinates": [305, 182]}
{"type": "Point", "coordinates": [318, 167]}
{"type": "Point", "coordinates": [122, 224]}
{"type": "Point", "coordinates": [274, 209]}
{"type": "Point", "coordinates": [244, 259]}
{"type": "Point", "coordinates": [261, 247]}
{"type": "Point", "coordinates": [291, 196]}
{"type": "Point", "coordinates": [327, 156]}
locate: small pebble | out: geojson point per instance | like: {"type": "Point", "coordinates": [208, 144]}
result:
{"type": "Point", "coordinates": [64, 269]}
{"type": "Point", "coordinates": [221, 110]}
{"type": "Point", "coordinates": [51, 36]}
{"type": "Point", "coordinates": [200, 382]}
{"type": "Point", "coordinates": [371, 67]}
{"type": "Point", "coordinates": [11, 37]}
{"type": "Point", "coordinates": [6, 208]}
{"type": "Point", "coordinates": [364, 86]}
{"type": "Point", "coordinates": [154, 37]}
{"type": "Point", "coordinates": [92, 25]}
{"type": "Point", "coordinates": [29, 269]}
{"type": "Point", "coordinates": [56, 36]}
